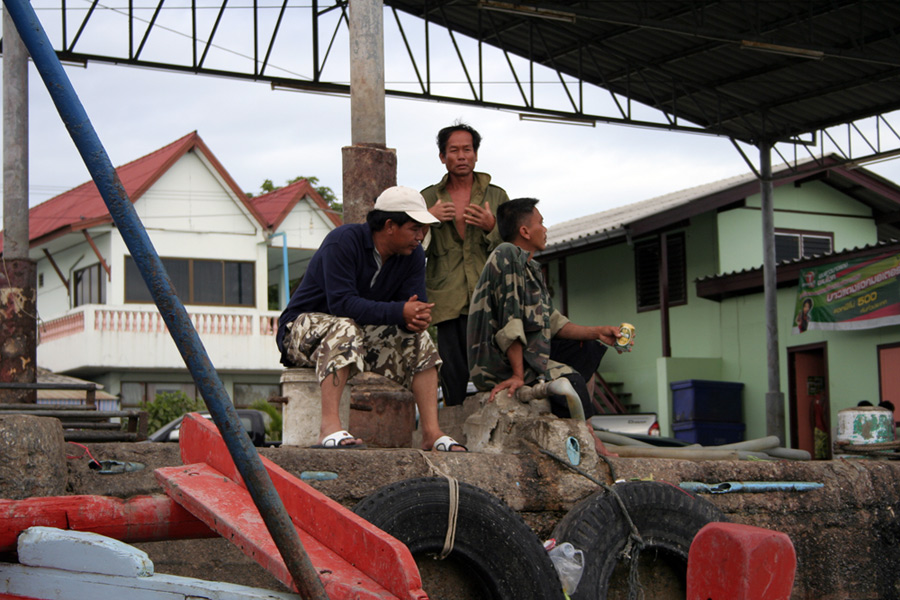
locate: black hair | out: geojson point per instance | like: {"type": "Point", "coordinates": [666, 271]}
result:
{"type": "Point", "coordinates": [864, 403]}
{"type": "Point", "coordinates": [887, 404]}
{"type": "Point", "coordinates": [376, 219]}
{"type": "Point", "coordinates": [511, 215]}
{"type": "Point", "coordinates": [444, 134]}
{"type": "Point", "coordinates": [807, 301]}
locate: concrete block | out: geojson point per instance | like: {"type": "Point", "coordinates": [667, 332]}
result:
{"type": "Point", "coordinates": [302, 415]}
{"type": "Point", "coordinates": [382, 413]}
{"type": "Point", "coordinates": [34, 457]}
{"type": "Point", "coordinates": [506, 425]}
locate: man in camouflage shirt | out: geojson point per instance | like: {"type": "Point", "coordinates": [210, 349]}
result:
{"type": "Point", "coordinates": [512, 320]}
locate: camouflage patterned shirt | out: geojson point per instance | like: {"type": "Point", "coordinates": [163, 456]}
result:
{"type": "Point", "coordinates": [511, 303]}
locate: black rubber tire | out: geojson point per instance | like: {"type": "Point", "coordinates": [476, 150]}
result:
{"type": "Point", "coordinates": [495, 552]}
{"type": "Point", "coordinates": [667, 518]}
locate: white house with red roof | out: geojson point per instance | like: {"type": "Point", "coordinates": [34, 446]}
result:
{"type": "Point", "coordinates": [226, 253]}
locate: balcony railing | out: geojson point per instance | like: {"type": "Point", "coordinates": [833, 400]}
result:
{"type": "Point", "coordinates": [125, 337]}
{"type": "Point", "coordinates": [145, 321]}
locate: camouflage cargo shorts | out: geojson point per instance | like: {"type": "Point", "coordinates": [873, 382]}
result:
{"type": "Point", "coordinates": [330, 343]}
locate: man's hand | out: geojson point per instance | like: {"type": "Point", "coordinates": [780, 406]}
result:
{"type": "Point", "coordinates": [511, 385]}
{"type": "Point", "coordinates": [417, 315]}
{"type": "Point", "coordinates": [607, 334]}
{"type": "Point", "coordinates": [480, 216]}
{"type": "Point", "coordinates": [443, 211]}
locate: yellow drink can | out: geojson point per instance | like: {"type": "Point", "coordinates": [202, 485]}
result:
{"type": "Point", "coordinates": [626, 337]}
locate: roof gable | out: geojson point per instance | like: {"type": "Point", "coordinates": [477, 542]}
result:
{"type": "Point", "coordinates": [658, 213]}
{"type": "Point", "coordinates": [83, 207]}
{"type": "Point", "coordinates": [275, 206]}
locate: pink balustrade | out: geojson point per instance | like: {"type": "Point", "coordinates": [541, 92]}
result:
{"type": "Point", "coordinates": [137, 321]}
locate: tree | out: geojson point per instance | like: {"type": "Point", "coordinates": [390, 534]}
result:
{"type": "Point", "coordinates": [168, 406]}
{"type": "Point", "coordinates": [326, 192]}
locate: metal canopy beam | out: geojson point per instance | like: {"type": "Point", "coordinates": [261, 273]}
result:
{"type": "Point", "coordinates": [755, 71]}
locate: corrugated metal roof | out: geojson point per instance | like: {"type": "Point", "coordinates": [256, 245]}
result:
{"type": "Point", "coordinates": [613, 221]}
{"type": "Point", "coordinates": [787, 273]}
{"type": "Point", "coordinates": [66, 396]}
{"type": "Point", "coordinates": [882, 195]}
{"type": "Point", "coordinates": [807, 260]}
{"type": "Point", "coordinates": [754, 70]}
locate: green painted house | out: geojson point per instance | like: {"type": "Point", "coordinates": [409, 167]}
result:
{"type": "Point", "coordinates": [686, 270]}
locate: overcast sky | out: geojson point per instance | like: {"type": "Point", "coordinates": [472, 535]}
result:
{"type": "Point", "coordinates": [259, 134]}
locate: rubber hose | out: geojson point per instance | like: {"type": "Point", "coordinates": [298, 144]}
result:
{"type": "Point", "coordinates": [757, 445]}
{"type": "Point", "coordinates": [609, 437]}
{"type": "Point", "coordinates": [789, 453]}
{"type": "Point", "coordinates": [685, 453]}
{"type": "Point", "coordinates": [563, 387]}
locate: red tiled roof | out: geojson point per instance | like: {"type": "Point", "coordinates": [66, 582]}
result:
{"type": "Point", "coordinates": [83, 207]}
{"type": "Point", "coordinates": [275, 206]}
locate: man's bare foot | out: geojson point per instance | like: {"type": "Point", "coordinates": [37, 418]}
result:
{"type": "Point", "coordinates": [601, 449]}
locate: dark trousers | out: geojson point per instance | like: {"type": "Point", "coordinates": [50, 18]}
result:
{"type": "Point", "coordinates": [455, 370]}
{"type": "Point", "coordinates": [585, 358]}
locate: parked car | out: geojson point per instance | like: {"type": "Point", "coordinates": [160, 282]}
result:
{"type": "Point", "coordinates": [629, 423]}
{"type": "Point", "coordinates": [642, 427]}
{"type": "Point", "coordinates": [254, 422]}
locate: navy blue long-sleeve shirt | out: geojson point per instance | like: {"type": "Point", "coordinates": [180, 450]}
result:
{"type": "Point", "coordinates": [338, 282]}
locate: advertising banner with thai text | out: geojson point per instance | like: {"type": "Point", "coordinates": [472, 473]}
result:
{"type": "Point", "coordinates": [861, 293]}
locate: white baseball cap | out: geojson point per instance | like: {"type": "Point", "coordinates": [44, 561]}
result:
{"type": "Point", "coordinates": [405, 200]}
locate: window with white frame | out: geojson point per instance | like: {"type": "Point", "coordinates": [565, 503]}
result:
{"type": "Point", "coordinates": [791, 244]}
{"type": "Point", "coordinates": [198, 281]}
{"type": "Point", "coordinates": [89, 286]}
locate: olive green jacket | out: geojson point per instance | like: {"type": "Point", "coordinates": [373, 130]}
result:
{"type": "Point", "coordinates": [454, 265]}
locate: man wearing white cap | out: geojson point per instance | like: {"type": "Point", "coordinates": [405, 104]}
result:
{"type": "Point", "coordinates": [361, 306]}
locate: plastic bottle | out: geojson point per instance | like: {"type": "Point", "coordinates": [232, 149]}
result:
{"type": "Point", "coordinates": [569, 563]}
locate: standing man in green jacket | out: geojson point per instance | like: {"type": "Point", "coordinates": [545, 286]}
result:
{"type": "Point", "coordinates": [465, 202]}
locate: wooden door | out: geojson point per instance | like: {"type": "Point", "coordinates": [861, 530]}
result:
{"type": "Point", "coordinates": [809, 401]}
{"type": "Point", "coordinates": [889, 376]}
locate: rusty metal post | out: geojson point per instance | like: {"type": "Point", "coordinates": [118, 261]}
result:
{"type": "Point", "coordinates": [369, 165]}
{"type": "Point", "coordinates": [18, 276]}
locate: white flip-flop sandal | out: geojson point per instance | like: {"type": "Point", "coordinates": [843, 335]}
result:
{"type": "Point", "coordinates": [445, 443]}
{"type": "Point", "coordinates": [335, 441]}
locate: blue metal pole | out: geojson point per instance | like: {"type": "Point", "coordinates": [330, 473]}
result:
{"type": "Point", "coordinates": [245, 456]}
{"type": "Point", "coordinates": [285, 266]}
{"type": "Point", "coordinates": [750, 486]}
{"type": "Point", "coordinates": [286, 291]}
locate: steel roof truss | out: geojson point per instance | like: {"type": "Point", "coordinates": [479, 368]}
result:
{"type": "Point", "coordinates": [152, 22]}
{"type": "Point", "coordinates": [262, 68]}
{"type": "Point", "coordinates": [212, 33]}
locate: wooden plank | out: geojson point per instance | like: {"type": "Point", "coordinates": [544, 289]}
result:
{"type": "Point", "coordinates": [376, 553]}
{"type": "Point", "coordinates": [18, 582]}
{"type": "Point", "coordinates": [229, 509]}
{"type": "Point", "coordinates": [81, 551]}
{"type": "Point", "coordinates": [138, 519]}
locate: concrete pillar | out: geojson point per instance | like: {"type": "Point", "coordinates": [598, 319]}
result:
{"type": "Point", "coordinates": [367, 72]}
{"type": "Point", "coordinates": [775, 422]}
{"type": "Point", "coordinates": [368, 171]}
{"type": "Point", "coordinates": [369, 166]}
{"type": "Point", "coordinates": [18, 279]}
